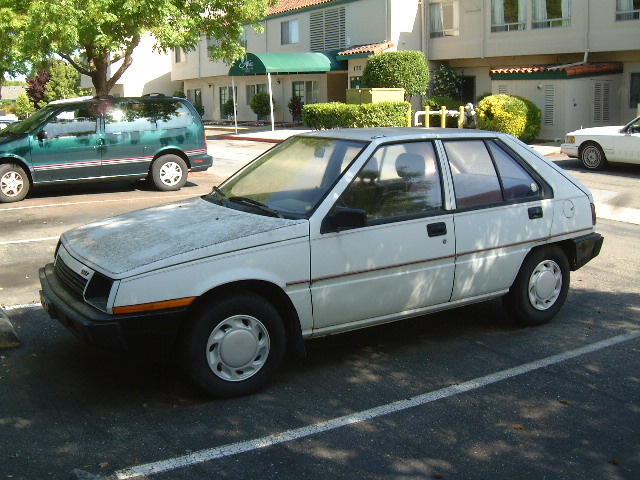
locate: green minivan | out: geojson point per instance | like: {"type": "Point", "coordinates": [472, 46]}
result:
{"type": "Point", "coordinates": [104, 138]}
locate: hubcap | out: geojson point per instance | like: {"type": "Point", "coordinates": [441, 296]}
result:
{"type": "Point", "coordinates": [545, 285]}
{"type": "Point", "coordinates": [170, 173]}
{"type": "Point", "coordinates": [591, 157]}
{"type": "Point", "coordinates": [11, 184]}
{"type": "Point", "coordinates": [238, 348]}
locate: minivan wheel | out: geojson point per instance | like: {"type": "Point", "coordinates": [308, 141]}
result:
{"type": "Point", "coordinates": [14, 183]}
{"type": "Point", "coordinates": [234, 345]}
{"type": "Point", "coordinates": [169, 172]}
{"type": "Point", "coordinates": [541, 286]}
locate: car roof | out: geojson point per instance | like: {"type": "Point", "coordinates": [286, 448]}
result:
{"type": "Point", "coordinates": [400, 133]}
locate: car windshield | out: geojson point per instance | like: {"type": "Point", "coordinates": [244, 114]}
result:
{"type": "Point", "coordinates": [28, 124]}
{"type": "Point", "coordinates": [289, 180]}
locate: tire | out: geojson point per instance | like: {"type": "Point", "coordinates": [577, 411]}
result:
{"type": "Point", "coordinates": [593, 157]}
{"type": "Point", "coordinates": [540, 288]}
{"type": "Point", "coordinates": [169, 173]}
{"type": "Point", "coordinates": [234, 346]}
{"type": "Point", "coordinates": [14, 183]}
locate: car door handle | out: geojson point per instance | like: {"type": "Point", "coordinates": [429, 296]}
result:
{"type": "Point", "coordinates": [437, 229]}
{"type": "Point", "coordinates": [535, 212]}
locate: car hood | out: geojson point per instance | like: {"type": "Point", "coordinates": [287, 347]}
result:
{"type": "Point", "coordinates": [597, 131]}
{"type": "Point", "coordinates": [179, 232]}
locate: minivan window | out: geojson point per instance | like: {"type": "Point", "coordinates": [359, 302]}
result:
{"type": "Point", "coordinates": [126, 117]}
{"type": "Point", "coordinates": [173, 115]}
{"type": "Point", "coordinates": [72, 122]}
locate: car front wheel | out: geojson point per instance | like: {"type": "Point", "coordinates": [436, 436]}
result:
{"type": "Point", "coordinates": [14, 183]}
{"type": "Point", "coordinates": [541, 286]}
{"type": "Point", "coordinates": [235, 345]}
{"type": "Point", "coordinates": [169, 172]}
{"type": "Point", "coordinates": [593, 157]}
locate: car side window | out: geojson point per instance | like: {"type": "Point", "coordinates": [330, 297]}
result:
{"type": "Point", "coordinates": [172, 115]}
{"type": "Point", "coordinates": [517, 183]}
{"type": "Point", "coordinates": [475, 180]}
{"type": "Point", "coordinates": [127, 117]}
{"type": "Point", "coordinates": [398, 181]}
{"type": "Point", "coordinates": [72, 122]}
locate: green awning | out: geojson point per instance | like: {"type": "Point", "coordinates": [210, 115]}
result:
{"type": "Point", "coordinates": [263, 63]}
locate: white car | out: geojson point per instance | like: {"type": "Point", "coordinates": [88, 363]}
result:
{"type": "Point", "coordinates": [598, 145]}
{"type": "Point", "coordinates": [327, 232]}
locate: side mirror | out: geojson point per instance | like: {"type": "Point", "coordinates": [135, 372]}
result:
{"type": "Point", "coordinates": [344, 219]}
{"type": "Point", "coordinates": [42, 135]}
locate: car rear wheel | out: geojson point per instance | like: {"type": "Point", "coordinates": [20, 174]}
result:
{"type": "Point", "coordinates": [235, 345]}
{"type": "Point", "coordinates": [169, 172]}
{"type": "Point", "coordinates": [593, 157]}
{"type": "Point", "coordinates": [14, 183]}
{"type": "Point", "coordinates": [541, 286]}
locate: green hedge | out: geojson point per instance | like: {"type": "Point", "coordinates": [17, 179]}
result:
{"type": "Point", "coordinates": [324, 116]}
{"type": "Point", "coordinates": [517, 116]}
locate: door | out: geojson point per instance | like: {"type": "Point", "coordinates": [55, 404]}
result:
{"type": "Point", "coordinates": [130, 137]}
{"type": "Point", "coordinates": [502, 209]}
{"type": "Point", "coordinates": [68, 146]}
{"type": "Point", "coordinates": [401, 260]}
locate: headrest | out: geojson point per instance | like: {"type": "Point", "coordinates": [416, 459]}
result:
{"type": "Point", "coordinates": [410, 166]}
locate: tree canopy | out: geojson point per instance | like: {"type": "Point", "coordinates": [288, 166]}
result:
{"type": "Point", "coordinates": [104, 33]}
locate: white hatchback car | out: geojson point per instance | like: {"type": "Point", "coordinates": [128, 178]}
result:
{"type": "Point", "coordinates": [598, 145]}
{"type": "Point", "coordinates": [327, 232]}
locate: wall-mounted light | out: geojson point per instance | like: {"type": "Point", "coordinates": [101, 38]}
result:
{"type": "Point", "coordinates": [540, 85]}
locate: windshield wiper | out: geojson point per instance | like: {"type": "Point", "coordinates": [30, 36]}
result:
{"type": "Point", "coordinates": [254, 203]}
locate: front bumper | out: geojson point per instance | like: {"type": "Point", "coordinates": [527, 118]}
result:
{"type": "Point", "coordinates": [102, 329]}
{"type": "Point", "coordinates": [569, 149]}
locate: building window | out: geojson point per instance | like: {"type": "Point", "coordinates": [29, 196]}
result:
{"type": "Point", "coordinates": [178, 55]}
{"type": "Point", "coordinates": [355, 82]}
{"type": "Point", "coordinates": [327, 29]}
{"type": "Point", "coordinates": [226, 95]}
{"type": "Point", "coordinates": [507, 15]}
{"type": "Point", "coordinates": [627, 10]}
{"type": "Point", "coordinates": [289, 33]}
{"type": "Point", "coordinates": [634, 91]}
{"type": "Point", "coordinates": [253, 89]}
{"type": "Point", "coordinates": [551, 13]}
{"type": "Point", "coordinates": [443, 19]}
{"type": "Point", "coordinates": [307, 91]}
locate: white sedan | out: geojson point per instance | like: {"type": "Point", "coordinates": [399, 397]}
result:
{"type": "Point", "coordinates": [327, 232]}
{"type": "Point", "coordinates": [598, 145]}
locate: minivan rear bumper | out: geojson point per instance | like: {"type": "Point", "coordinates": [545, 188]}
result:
{"type": "Point", "coordinates": [200, 161]}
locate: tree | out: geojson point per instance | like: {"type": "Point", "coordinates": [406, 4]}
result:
{"type": "Point", "coordinates": [104, 33]}
{"type": "Point", "coordinates": [24, 106]}
{"type": "Point", "coordinates": [445, 83]}
{"type": "Point", "coordinates": [406, 69]}
{"type": "Point", "coordinates": [37, 85]}
{"type": "Point", "coordinates": [64, 82]}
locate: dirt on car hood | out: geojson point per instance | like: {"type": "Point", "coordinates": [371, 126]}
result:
{"type": "Point", "coordinates": [178, 232]}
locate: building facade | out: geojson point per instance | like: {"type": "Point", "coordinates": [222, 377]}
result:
{"type": "Point", "coordinates": [578, 60]}
{"type": "Point", "coordinates": [346, 31]}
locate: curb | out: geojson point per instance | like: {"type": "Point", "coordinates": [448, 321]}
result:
{"type": "Point", "coordinates": [8, 335]}
{"type": "Point", "coordinates": [248, 138]}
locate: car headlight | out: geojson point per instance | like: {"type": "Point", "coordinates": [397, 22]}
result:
{"type": "Point", "coordinates": [571, 139]}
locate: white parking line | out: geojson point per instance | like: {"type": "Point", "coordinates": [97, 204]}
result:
{"type": "Point", "coordinates": [67, 204]}
{"type": "Point", "coordinates": [298, 433]}
{"type": "Point", "coordinates": [29, 240]}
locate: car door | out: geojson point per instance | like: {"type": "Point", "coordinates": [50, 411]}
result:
{"type": "Point", "coordinates": [626, 145]}
{"type": "Point", "coordinates": [399, 258]}
{"type": "Point", "coordinates": [67, 146]}
{"type": "Point", "coordinates": [502, 209]}
{"type": "Point", "coordinates": [130, 138]}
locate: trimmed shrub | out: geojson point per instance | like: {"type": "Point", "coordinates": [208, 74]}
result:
{"type": "Point", "coordinates": [323, 116]}
{"type": "Point", "coordinates": [514, 115]}
{"type": "Point", "coordinates": [260, 104]}
{"type": "Point", "coordinates": [445, 82]}
{"type": "Point", "coordinates": [295, 108]}
{"type": "Point", "coordinates": [406, 69]}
